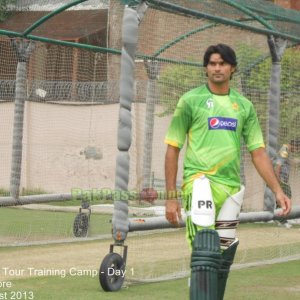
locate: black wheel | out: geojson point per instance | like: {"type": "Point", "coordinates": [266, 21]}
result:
{"type": "Point", "coordinates": [81, 225]}
{"type": "Point", "coordinates": [111, 273]}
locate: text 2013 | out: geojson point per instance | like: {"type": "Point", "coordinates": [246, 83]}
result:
{"type": "Point", "coordinates": [17, 295]}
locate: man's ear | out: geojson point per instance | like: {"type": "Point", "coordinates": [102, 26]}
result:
{"type": "Point", "coordinates": [205, 70]}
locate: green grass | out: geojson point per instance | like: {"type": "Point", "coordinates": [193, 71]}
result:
{"type": "Point", "coordinates": [263, 253]}
{"type": "Point", "coordinates": [4, 192]}
{"type": "Point", "coordinates": [279, 281]}
{"type": "Point", "coordinates": [272, 282]}
{"type": "Point", "coordinates": [46, 224]}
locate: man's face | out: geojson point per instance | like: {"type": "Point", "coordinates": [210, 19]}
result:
{"type": "Point", "coordinates": [218, 71]}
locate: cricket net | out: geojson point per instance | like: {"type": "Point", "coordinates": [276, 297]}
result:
{"type": "Point", "coordinates": [59, 112]}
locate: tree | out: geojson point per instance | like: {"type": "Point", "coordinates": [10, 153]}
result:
{"type": "Point", "coordinates": [174, 81]}
{"type": "Point", "coordinates": [4, 8]}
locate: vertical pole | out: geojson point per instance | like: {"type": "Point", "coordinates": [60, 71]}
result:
{"type": "Point", "coordinates": [130, 25]}
{"type": "Point", "coordinates": [277, 47]}
{"type": "Point", "coordinates": [23, 50]}
{"type": "Point", "coordinates": [75, 53]}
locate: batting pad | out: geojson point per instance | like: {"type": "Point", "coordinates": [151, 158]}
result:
{"type": "Point", "coordinates": [205, 262]}
{"type": "Point", "coordinates": [228, 218]}
{"type": "Point", "coordinates": [227, 261]}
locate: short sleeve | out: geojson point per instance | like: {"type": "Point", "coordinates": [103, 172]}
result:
{"type": "Point", "coordinates": [179, 125]}
{"type": "Point", "coordinates": [252, 133]}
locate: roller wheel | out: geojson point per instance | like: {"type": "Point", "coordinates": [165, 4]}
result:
{"type": "Point", "coordinates": [111, 272]}
{"type": "Point", "coordinates": [81, 225]}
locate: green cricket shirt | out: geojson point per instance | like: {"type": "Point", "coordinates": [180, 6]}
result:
{"type": "Point", "coordinates": [213, 125]}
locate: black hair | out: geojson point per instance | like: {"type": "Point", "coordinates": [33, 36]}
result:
{"type": "Point", "coordinates": [227, 54]}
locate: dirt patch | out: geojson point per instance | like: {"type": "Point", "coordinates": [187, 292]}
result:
{"type": "Point", "coordinates": [95, 209]}
{"type": "Point", "coordinates": [294, 289]}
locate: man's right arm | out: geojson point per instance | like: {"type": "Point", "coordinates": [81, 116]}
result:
{"type": "Point", "coordinates": [173, 207]}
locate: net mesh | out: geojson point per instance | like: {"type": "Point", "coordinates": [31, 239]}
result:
{"type": "Point", "coordinates": [72, 111]}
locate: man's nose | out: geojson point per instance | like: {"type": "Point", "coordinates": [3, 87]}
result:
{"type": "Point", "coordinates": [217, 67]}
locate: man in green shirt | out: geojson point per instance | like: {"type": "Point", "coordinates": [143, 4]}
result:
{"type": "Point", "coordinates": [213, 118]}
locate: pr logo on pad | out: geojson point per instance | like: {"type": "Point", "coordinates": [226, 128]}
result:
{"type": "Point", "coordinates": [220, 123]}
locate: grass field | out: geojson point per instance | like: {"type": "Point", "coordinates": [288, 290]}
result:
{"type": "Point", "coordinates": [23, 225]}
{"type": "Point", "coordinates": [270, 282]}
{"type": "Point", "coordinates": [151, 254]}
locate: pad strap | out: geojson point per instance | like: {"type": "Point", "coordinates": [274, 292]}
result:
{"type": "Point", "coordinates": [228, 224]}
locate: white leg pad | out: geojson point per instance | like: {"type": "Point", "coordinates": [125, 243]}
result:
{"type": "Point", "coordinates": [228, 217]}
{"type": "Point", "coordinates": [202, 208]}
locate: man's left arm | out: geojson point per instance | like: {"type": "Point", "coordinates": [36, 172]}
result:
{"type": "Point", "coordinates": [265, 169]}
